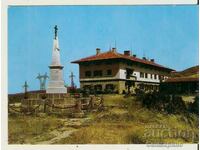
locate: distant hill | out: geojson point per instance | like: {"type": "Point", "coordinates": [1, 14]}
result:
{"type": "Point", "coordinates": [192, 72]}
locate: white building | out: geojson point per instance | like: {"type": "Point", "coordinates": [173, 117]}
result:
{"type": "Point", "coordinates": [114, 72]}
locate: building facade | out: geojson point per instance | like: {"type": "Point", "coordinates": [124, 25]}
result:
{"type": "Point", "coordinates": [119, 73]}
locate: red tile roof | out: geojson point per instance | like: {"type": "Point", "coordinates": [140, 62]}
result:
{"type": "Point", "coordinates": [115, 55]}
{"type": "Point", "coordinates": [182, 79]}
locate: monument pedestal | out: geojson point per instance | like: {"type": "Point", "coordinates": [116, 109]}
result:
{"type": "Point", "coordinates": [56, 87]}
{"type": "Point", "coordinates": [56, 83]}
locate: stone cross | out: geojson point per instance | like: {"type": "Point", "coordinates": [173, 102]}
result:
{"type": "Point", "coordinates": [56, 30]}
{"type": "Point", "coordinates": [25, 86]}
{"type": "Point", "coordinates": [42, 79]}
{"type": "Point", "coordinates": [72, 79]}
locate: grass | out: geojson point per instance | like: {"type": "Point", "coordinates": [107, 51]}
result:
{"type": "Point", "coordinates": [114, 99]}
{"type": "Point", "coordinates": [135, 125]}
{"type": "Point", "coordinates": [126, 129]}
{"type": "Point", "coordinates": [117, 125]}
{"type": "Point", "coordinates": [31, 129]}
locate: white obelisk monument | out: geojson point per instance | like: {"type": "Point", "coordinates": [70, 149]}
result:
{"type": "Point", "coordinates": [56, 82]}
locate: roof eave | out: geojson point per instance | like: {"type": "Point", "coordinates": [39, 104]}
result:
{"type": "Point", "coordinates": [75, 62]}
{"type": "Point", "coordinates": [82, 61]}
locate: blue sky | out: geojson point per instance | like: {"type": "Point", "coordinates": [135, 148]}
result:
{"type": "Point", "coordinates": [169, 34]}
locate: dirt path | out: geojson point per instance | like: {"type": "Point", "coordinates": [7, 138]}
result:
{"type": "Point", "coordinates": [58, 137]}
{"type": "Point", "coordinates": [70, 126]}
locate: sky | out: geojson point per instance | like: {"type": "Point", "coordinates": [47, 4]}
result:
{"type": "Point", "coordinates": [169, 34]}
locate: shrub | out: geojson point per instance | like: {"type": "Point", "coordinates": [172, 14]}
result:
{"type": "Point", "coordinates": [136, 139]}
{"type": "Point", "coordinates": [194, 107]}
{"type": "Point", "coordinates": [161, 102]}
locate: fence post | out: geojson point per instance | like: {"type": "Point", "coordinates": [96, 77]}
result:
{"type": "Point", "coordinates": [78, 106]}
{"type": "Point", "coordinates": [52, 106]}
{"type": "Point", "coordinates": [91, 103]}
{"type": "Point", "coordinates": [44, 106]}
{"type": "Point", "coordinates": [28, 105]}
{"type": "Point", "coordinates": [102, 102]}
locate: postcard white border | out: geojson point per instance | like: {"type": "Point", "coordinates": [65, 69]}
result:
{"type": "Point", "coordinates": [4, 74]}
{"type": "Point", "coordinates": [100, 2]}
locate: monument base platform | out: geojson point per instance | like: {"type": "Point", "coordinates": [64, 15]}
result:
{"type": "Point", "coordinates": [57, 90]}
{"type": "Point", "coordinates": [56, 87]}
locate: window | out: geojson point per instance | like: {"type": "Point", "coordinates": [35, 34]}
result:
{"type": "Point", "coordinates": [155, 76]}
{"type": "Point", "coordinates": [151, 76]}
{"type": "Point", "coordinates": [87, 87]}
{"type": "Point", "coordinates": [141, 75]}
{"type": "Point", "coordinates": [161, 77]}
{"type": "Point", "coordinates": [88, 74]}
{"type": "Point", "coordinates": [97, 73]}
{"type": "Point", "coordinates": [110, 86]}
{"type": "Point", "coordinates": [109, 72]}
{"type": "Point", "coordinates": [108, 63]}
{"type": "Point", "coordinates": [146, 75]}
{"type": "Point", "coordinates": [141, 86]}
{"type": "Point", "coordinates": [129, 64]}
{"type": "Point", "coordinates": [98, 87]}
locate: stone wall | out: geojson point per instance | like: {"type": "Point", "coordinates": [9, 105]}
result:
{"type": "Point", "coordinates": [36, 98]}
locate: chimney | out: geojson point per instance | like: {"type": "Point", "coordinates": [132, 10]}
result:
{"type": "Point", "coordinates": [144, 58]}
{"type": "Point", "coordinates": [127, 53]}
{"type": "Point", "coordinates": [98, 50]}
{"type": "Point", "coordinates": [113, 49]}
{"type": "Point", "coordinates": [134, 55]}
{"type": "Point", "coordinates": [152, 60]}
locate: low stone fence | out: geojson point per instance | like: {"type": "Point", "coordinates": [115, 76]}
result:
{"type": "Point", "coordinates": [57, 103]}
